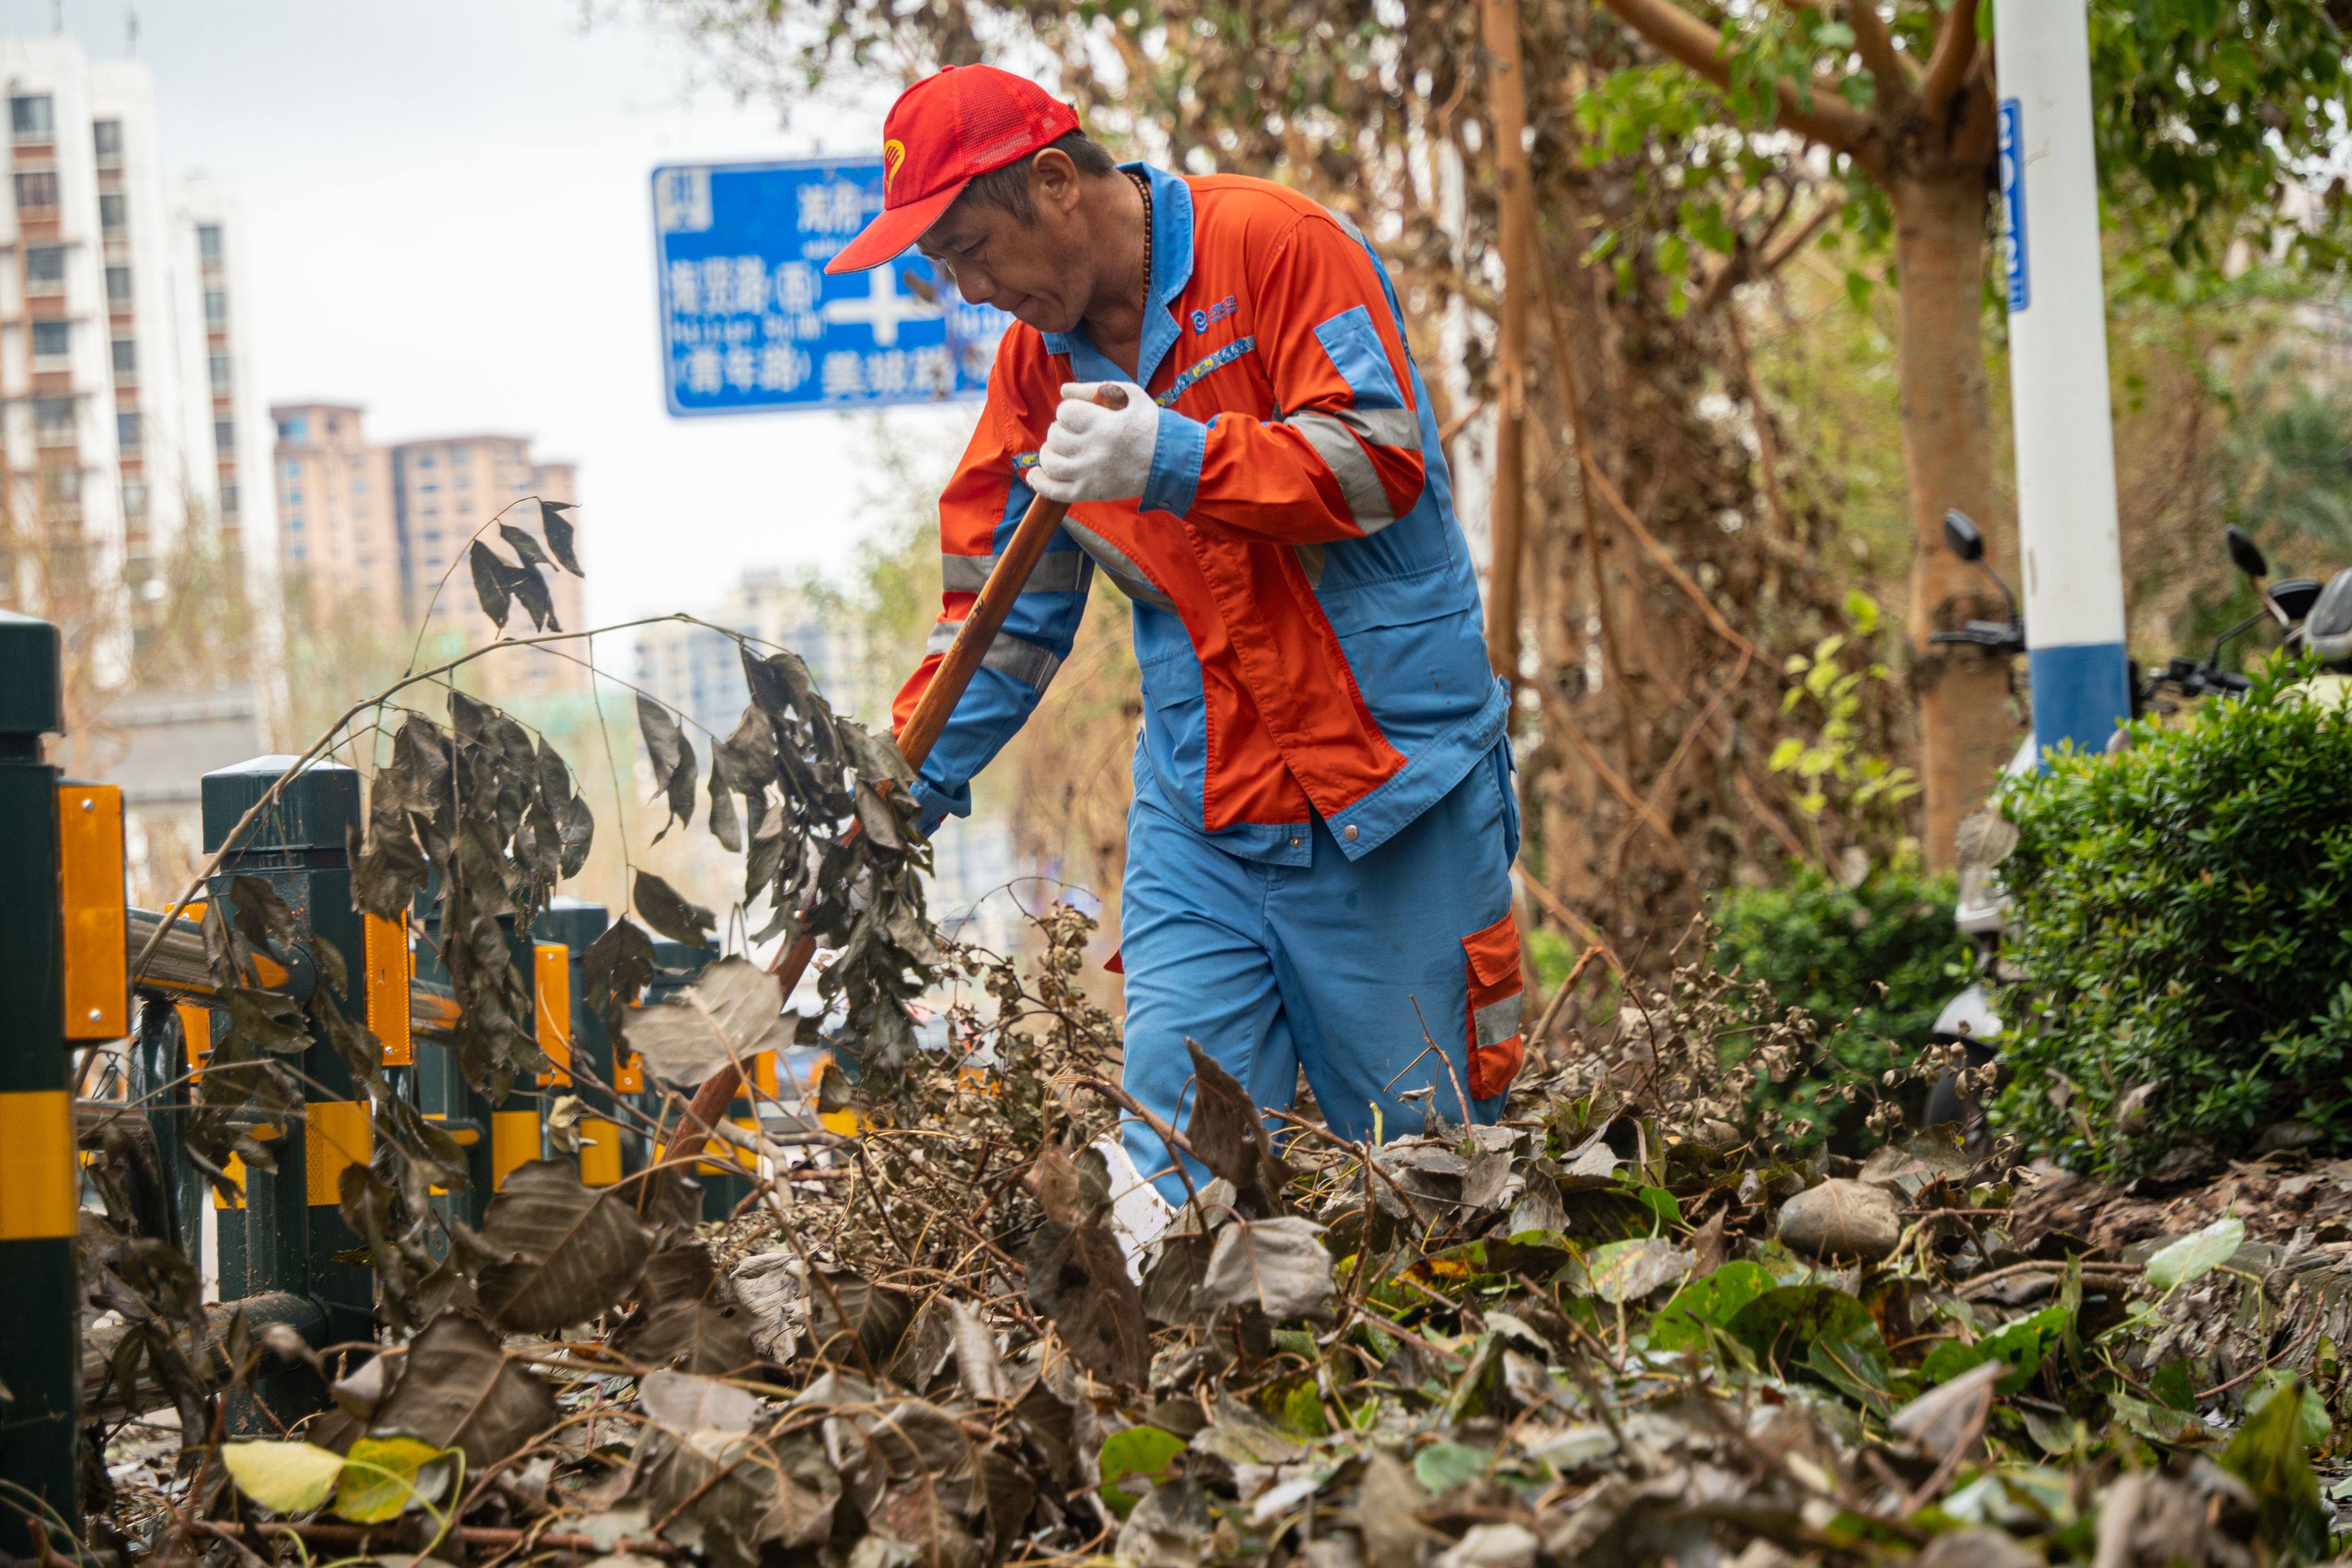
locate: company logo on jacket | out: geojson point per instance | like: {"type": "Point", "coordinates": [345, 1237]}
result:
{"type": "Point", "coordinates": [1204, 320]}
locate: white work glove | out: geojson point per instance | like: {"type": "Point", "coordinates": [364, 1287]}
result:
{"type": "Point", "coordinates": [1094, 453]}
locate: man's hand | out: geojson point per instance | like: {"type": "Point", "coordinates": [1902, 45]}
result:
{"type": "Point", "coordinates": [1094, 453]}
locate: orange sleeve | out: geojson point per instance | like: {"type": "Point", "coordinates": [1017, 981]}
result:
{"type": "Point", "coordinates": [1344, 458]}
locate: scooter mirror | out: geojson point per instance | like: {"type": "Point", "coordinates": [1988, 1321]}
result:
{"type": "Point", "coordinates": [2294, 596]}
{"type": "Point", "coordinates": [2244, 552]}
{"type": "Point", "coordinates": [1962, 538]}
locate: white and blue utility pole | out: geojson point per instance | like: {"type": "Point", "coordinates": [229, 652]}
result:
{"type": "Point", "coordinates": [2058, 374]}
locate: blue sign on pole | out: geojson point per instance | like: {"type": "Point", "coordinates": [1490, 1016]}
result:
{"type": "Point", "coordinates": [2013, 204]}
{"type": "Point", "coordinates": [751, 321]}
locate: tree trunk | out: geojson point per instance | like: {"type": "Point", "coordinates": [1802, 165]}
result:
{"type": "Point", "coordinates": [1967, 730]}
{"type": "Point", "coordinates": [1499, 22]}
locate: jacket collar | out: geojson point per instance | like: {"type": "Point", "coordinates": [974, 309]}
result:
{"type": "Point", "coordinates": [1172, 269]}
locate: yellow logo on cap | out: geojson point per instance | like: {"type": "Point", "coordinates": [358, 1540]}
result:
{"type": "Point", "coordinates": [894, 152]}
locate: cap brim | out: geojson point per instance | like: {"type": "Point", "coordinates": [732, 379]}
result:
{"type": "Point", "coordinates": [896, 228]}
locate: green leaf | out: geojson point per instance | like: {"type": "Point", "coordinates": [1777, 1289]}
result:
{"type": "Point", "coordinates": [1441, 1466]}
{"type": "Point", "coordinates": [284, 1478]}
{"type": "Point", "coordinates": [2197, 1253]}
{"type": "Point", "coordinates": [382, 1476]}
{"type": "Point", "coordinates": [1139, 1451]}
{"type": "Point", "coordinates": [2023, 1344]}
{"type": "Point", "coordinates": [1821, 1328]}
{"type": "Point", "coordinates": [1706, 1302]}
{"type": "Point", "coordinates": [1662, 1204]}
{"type": "Point", "coordinates": [1862, 612]}
{"type": "Point", "coordinates": [2267, 1454]}
{"type": "Point", "coordinates": [2315, 1425]}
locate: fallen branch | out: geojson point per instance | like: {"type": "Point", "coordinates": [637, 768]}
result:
{"type": "Point", "coordinates": [1559, 997]}
{"type": "Point", "coordinates": [2119, 1270]}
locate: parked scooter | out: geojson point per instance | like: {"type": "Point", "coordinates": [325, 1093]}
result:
{"type": "Point", "coordinates": [2318, 619]}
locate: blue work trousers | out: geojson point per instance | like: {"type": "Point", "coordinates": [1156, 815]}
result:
{"type": "Point", "coordinates": [1365, 972]}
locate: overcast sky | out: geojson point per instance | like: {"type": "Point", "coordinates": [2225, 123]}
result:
{"type": "Point", "coordinates": [447, 220]}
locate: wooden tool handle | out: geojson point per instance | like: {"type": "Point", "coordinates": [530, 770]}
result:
{"type": "Point", "coordinates": [980, 624]}
{"type": "Point", "coordinates": [986, 616]}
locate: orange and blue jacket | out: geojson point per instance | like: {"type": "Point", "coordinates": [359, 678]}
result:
{"type": "Point", "coordinates": [1306, 614]}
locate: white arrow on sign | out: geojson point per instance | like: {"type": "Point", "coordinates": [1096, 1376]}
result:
{"type": "Point", "coordinates": [882, 308]}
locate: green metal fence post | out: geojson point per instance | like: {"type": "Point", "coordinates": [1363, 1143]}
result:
{"type": "Point", "coordinates": [40, 1178]}
{"type": "Point", "coordinates": [497, 1138]}
{"type": "Point", "coordinates": [300, 847]}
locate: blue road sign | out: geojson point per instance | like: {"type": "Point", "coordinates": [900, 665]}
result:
{"type": "Point", "coordinates": [751, 321]}
{"type": "Point", "coordinates": [2012, 206]}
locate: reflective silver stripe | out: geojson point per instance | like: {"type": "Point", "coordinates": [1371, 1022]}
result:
{"type": "Point", "coordinates": [1025, 661]}
{"type": "Point", "coordinates": [1333, 441]}
{"type": "Point", "coordinates": [1381, 427]}
{"type": "Point", "coordinates": [1022, 659]}
{"type": "Point", "coordinates": [1311, 556]}
{"type": "Point", "coordinates": [1498, 1020]}
{"type": "Point", "coordinates": [1118, 566]}
{"type": "Point", "coordinates": [1056, 572]}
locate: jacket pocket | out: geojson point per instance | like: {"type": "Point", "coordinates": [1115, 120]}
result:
{"type": "Point", "coordinates": [1495, 1045]}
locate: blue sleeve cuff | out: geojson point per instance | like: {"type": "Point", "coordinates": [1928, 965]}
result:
{"type": "Point", "coordinates": [939, 804]}
{"type": "Point", "coordinates": [1176, 457]}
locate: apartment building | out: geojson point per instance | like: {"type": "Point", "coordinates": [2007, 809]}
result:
{"type": "Point", "coordinates": [108, 390]}
{"type": "Point", "coordinates": [230, 431]}
{"type": "Point", "coordinates": [338, 531]}
{"type": "Point", "coordinates": [383, 531]}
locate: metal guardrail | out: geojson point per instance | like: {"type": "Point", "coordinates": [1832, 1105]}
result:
{"type": "Point", "coordinates": [285, 1253]}
{"type": "Point", "coordinates": [178, 972]}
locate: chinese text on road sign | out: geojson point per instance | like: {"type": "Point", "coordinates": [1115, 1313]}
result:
{"type": "Point", "coordinates": [749, 321]}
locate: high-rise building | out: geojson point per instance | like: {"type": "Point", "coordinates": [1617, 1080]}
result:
{"type": "Point", "coordinates": [231, 431]}
{"type": "Point", "coordinates": [118, 392]}
{"type": "Point", "coordinates": [383, 532]}
{"type": "Point", "coordinates": [336, 527]}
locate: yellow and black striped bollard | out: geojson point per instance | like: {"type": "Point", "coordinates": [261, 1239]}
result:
{"type": "Point", "coordinates": [40, 1180]}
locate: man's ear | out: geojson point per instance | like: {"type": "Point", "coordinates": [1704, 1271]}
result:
{"type": "Point", "coordinates": [1054, 182]}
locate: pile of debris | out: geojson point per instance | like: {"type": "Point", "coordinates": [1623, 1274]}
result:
{"type": "Point", "coordinates": [1615, 1329]}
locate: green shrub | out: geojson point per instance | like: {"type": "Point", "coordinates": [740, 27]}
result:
{"type": "Point", "coordinates": [2182, 915]}
{"type": "Point", "coordinates": [1829, 949]}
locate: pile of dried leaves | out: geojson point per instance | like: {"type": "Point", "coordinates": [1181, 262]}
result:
{"type": "Point", "coordinates": [1625, 1326]}
{"type": "Point", "coordinates": [1608, 1331]}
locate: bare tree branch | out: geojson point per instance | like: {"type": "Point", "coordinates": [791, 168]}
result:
{"type": "Point", "coordinates": [1691, 43]}
{"type": "Point", "coordinates": [1777, 256]}
{"type": "Point", "coordinates": [1948, 67]}
{"type": "Point", "coordinates": [1894, 73]}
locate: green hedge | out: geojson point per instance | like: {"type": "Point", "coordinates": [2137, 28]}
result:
{"type": "Point", "coordinates": [1828, 948]}
{"type": "Point", "coordinates": [2182, 914]}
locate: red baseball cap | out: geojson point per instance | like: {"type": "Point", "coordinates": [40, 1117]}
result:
{"type": "Point", "coordinates": [945, 130]}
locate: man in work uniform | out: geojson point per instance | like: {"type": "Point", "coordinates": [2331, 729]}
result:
{"type": "Point", "coordinates": [1318, 854]}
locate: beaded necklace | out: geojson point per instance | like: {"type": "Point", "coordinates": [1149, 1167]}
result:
{"type": "Point", "coordinates": [1143, 189]}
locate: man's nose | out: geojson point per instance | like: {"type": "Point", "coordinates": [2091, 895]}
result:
{"type": "Point", "coordinates": [974, 284]}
